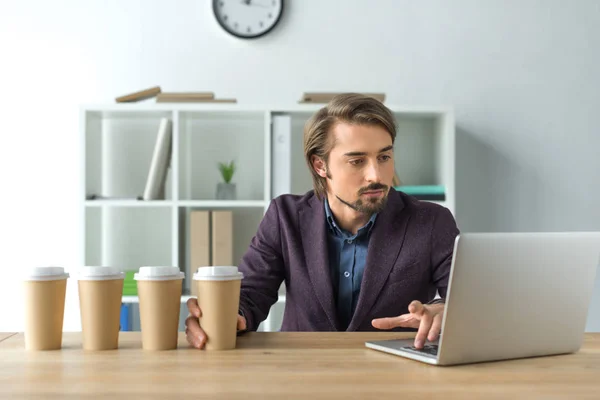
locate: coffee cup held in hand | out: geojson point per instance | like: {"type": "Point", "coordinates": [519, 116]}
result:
{"type": "Point", "coordinates": [100, 295]}
{"type": "Point", "coordinates": [45, 290]}
{"type": "Point", "coordinates": [218, 290]}
{"type": "Point", "coordinates": [159, 290]}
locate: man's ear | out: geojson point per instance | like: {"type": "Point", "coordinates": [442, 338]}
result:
{"type": "Point", "coordinates": [319, 166]}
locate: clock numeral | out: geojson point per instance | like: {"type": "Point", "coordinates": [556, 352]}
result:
{"type": "Point", "coordinates": [221, 4]}
{"type": "Point", "coordinates": [224, 17]}
{"type": "Point", "coordinates": [270, 15]}
{"type": "Point", "coordinates": [261, 24]}
{"type": "Point", "coordinates": [248, 30]}
{"type": "Point", "coordinates": [235, 25]}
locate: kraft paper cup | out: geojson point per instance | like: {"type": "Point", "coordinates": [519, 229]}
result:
{"type": "Point", "coordinates": [45, 290]}
{"type": "Point", "coordinates": [100, 295]}
{"type": "Point", "coordinates": [159, 290]}
{"type": "Point", "coordinates": [219, 299]}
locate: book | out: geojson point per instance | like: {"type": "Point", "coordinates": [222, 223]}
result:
{"type": "Point", "coordinates": [184, 96]}
{"type": "Point", "coordinates": [170, 100]}
{"type": "Point", "coordinates": [157, 175]}
{"type": "Point", "coordinates": [199, 244]}
{"type": "Point", "coordinates": [325, 97]}
{"type": "Point", "coordinates": [190, 97]}
{"type": "Point", "coordinates": [138, 96]}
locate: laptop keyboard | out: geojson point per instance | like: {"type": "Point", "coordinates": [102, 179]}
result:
{"type": "Point", "coordinates": [428, 349]}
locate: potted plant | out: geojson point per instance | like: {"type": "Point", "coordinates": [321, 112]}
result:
{"type": "Point", "coordinates": [226, 189]}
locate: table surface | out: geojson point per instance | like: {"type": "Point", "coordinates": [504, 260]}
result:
{"type": "Point", "coordinates": [284, 365]}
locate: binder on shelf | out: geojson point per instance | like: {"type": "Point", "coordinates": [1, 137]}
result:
{"type": "Point", "coordinates": [125, 323]}
{"type": "Point", "coordinates": [129, 284]}
{"type": "Point", "coordinates": [222, 237]}
{"type": "Point", "coordinates": [199, 245]}
{"type": "Point", "coordinates": [138, 96]}
{"type": "Point", "coordinates": [281, 147]}
{"type": "Point", "coordinates": [161, 158]}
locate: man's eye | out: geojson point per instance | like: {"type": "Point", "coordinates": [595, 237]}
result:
{"type": "Point", "coordinates": [385, 158]}
{"type": "Point", "coordinates": [356, 162]}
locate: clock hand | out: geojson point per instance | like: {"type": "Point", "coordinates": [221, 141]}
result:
{"type": "Point", "coordinates": [251, 3]}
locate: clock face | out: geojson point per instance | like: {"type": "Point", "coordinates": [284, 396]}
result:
{"type": "Point", "coordinates": [248, 19]}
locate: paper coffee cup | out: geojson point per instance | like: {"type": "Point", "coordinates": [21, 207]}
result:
{"type": "Point", "coordinates": [100, 294]}
{"type": "Point", "coordinates": [159, 290]}
{"type": "Point", "coordinates": [45, 289]}
{"type": "Point", "coordinates": [219, 299]}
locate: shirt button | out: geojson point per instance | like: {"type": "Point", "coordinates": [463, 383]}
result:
{"type": "Point", "coordinates": [346, 274]}
{"type": "Point", "coordinates": [349, 241]}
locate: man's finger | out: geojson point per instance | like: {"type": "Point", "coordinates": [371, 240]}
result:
{"type": "Point", "coordinates": [405, 321]}
{"type": "Point", "coordinates": [436, 327]}
{"type": "Point", "coordinates": [241, 323]}
{"type": "Point", "coordinates": [193, 307]}
{"type": "Point", "coordinates": [416, 307]}
{"type": "Point", "coordinates": [424, 327]}
{"type": "Point", "coordinates": [195, 334]}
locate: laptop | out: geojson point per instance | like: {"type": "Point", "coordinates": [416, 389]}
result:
{"type": "Point", "coordinates": [511, 295]}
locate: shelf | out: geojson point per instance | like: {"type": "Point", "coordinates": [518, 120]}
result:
{"type": "Point", "coordinates": [136, 299]}
{"type": "Point", "coordinates": [184, 299]}
{"type": "Point", "coordinates": [221, 203]}
{"type": "Point", "coordinates": [118, 146]}
{"type": "Point", "coordinates": [128, 203]}
{"type": "Point", "coordinates": [212, 204]}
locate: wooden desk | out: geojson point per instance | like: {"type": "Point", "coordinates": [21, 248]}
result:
{"type": "Point", "coordinates": [285, 366]}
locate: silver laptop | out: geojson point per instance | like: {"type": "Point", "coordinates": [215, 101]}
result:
{"type": "Point", "coordinates": [511, 295]}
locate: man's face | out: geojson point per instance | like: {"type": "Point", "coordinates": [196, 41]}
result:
{"type": "Point", "coordinates": [360, 169]}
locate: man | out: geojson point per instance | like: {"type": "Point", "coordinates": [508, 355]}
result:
{"type": "Point", "coordinates": [354, 253]}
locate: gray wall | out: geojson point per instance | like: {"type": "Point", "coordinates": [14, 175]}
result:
{"type": "Point", "coordinates": [521, 74]}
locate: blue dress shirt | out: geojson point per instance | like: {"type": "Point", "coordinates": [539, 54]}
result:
{"type": "Point", "coordinates": [347, 259]}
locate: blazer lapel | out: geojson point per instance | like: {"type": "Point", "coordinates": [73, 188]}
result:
{"type": "Point", "coordinates": [385, 243]}
{"type": "Point", "coordinates": [314, 242]}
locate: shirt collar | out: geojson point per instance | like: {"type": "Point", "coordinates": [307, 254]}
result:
{"type": "Point", "coordinates": [333, 226]}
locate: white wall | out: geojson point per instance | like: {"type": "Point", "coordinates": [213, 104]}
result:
{"type": "Point", "coordinates": [521, 74]}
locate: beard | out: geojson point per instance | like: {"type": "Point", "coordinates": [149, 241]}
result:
{"type": "Point", "coordinates": [371, 205]}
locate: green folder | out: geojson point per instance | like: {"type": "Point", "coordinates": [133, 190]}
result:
{"type": "Point", "coordinates": [129, 285]}
{"type": "Point", "coordinates": [422, 189]}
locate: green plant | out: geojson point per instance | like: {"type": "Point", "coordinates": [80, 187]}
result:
{"type": "Point", "coordinates": [227, 171]}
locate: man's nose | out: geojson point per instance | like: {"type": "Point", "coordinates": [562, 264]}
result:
{"type": "Point", "coordinates": [373, 172]}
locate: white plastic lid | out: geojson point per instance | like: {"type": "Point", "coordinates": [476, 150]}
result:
{"type": "Point", "coordinates": [158, 274]}
{"type": "Point", "coordinates": [46, 274]}
{"type": "Point", "coordinates": [100, 273]}
{"type": "Point", "coordinates": [217, 274]}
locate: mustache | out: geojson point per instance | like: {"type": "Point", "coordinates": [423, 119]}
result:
{"type": "Point", "coordinates": [372, 187]}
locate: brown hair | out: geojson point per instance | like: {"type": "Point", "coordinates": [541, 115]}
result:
{"type": "Point", "coordinates": [350, 108]}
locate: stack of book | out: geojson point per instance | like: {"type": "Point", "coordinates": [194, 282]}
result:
{"type": "Point", "coordinates": [325, 97]}
{"type": "Point", "coordinates": [172, 97]}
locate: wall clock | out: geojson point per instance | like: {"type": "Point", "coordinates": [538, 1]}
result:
{"type": "Point", "coordinates": [248, 19]}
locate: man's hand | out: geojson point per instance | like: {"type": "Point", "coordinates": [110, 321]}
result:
{"type": "Point", "coordinates": [196, 335]}
{"type": "Point", "coordinates": [428, 318]}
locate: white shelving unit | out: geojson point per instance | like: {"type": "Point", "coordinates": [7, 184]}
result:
{"type": "Point", "coordinates": [118, 141]}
